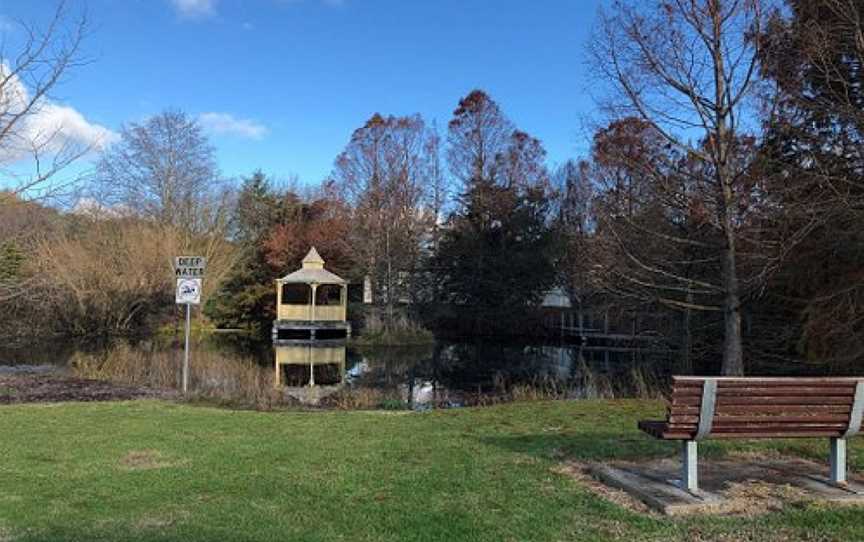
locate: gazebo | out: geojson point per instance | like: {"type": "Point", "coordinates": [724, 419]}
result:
{"type": "Point", "coordinates": [311, 303]}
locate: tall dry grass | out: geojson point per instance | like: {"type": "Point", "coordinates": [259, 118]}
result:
{"type": "Point", "coordinates": [403, 331]}
{"type": "Point", "coordinates": [111, 276]}
{"type": "Point", "coordinates": [638, 383]}
{"type": "Point", "coordinates": [213, 376]}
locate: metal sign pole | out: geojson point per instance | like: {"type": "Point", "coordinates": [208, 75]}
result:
{"type": "Point", "coordinates": [186, 351]}
{"type": "Point", "coordinates": [189, 271]}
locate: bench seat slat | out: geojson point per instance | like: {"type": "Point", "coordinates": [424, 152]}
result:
{"type": "Point", "coordinates": [766, 409]}
{"type": "Point", "coordinates": [766, 400]}
{"type": "Point", "coordinates": [732, 427]}
{"type": "Point", "coordinates": [803, 433]}
{"type": "Point", "coordinates": [779, 418]}
{"type": "Point", "coordinates": [846, 391]}
{"type": "Point", "coordinates": [767, 380]}
{"type": "Point", "coordinates": [783, 400]}
{"type": "Point", "coordinates": [733, 410]}
{"type": "Point", "coordinates": [661, 430]}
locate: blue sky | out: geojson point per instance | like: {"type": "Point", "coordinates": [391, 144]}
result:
{"type": "Point", "coordinates": [281, 84]}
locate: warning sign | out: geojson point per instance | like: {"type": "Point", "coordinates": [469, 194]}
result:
{"type": "Point", "coordinates": [188, 292]}
{"type": "Point", "coordinates": [189, 266]}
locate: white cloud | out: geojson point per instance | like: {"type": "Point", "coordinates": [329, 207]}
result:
{"type": "Point", "coordinates": [71, 126]}
{"type": "Point", "coordinates": [93, 208]}
{"type": "Point", "coordinates": [194, 8]}
{"type": "Point", "coordinates": [48, 126]}
{"type": "Point", "coordinates": [227, 124]}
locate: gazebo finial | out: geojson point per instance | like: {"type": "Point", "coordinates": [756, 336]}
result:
{"type": "Point", "coordinates": [313, 260]}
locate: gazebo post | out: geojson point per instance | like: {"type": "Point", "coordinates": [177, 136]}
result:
{"type": "Point", "coordinates": [278, 299]}
{"type": "Point", "coordinates": [314, 289]}
{"type": "Point", "coordinates": [344, 300]}
{"type": "Point", "coordinates": [311, 368]}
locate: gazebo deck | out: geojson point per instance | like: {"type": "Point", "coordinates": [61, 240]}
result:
{"type": "Point", "coordinates": [290, 331]}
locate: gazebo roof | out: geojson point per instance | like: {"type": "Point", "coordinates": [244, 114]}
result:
{"type": "Point", "coordinates": [313, 272]}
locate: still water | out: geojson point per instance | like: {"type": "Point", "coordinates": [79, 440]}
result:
{"type": "Point", "coordinates": [440, 375]}
{"type": "Point", "coordinates": [236, 370]}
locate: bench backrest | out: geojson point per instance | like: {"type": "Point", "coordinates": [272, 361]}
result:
{"type": "Point", "coordinates": [757, 407]}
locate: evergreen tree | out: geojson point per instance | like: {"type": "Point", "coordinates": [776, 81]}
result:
{"type": "Point", "coordinates": [498, 253]}
{"type": "Point", "coordinates": [247, 299]}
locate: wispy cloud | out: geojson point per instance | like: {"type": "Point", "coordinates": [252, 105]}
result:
{"type": "Point", "coordinates": [194, 9]}
{"type": "Point", "coordinates": [228, 124]}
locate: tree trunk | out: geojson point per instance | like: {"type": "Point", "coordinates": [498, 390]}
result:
{"type": "Point", "coordinates": [733, 357]}
{"type": "Point", "coordinates": [389, 281]}
{"type": "Point", "coordinates": [687, 337]}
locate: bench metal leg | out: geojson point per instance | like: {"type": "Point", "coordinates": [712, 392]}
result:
{"type": "Point", "coordinates": [838, 461]}
{"type": "Point", "coordinates": [689, 469]}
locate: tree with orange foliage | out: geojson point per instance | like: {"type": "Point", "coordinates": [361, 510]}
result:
{"type": "Point", "coordinates": [321, 223]}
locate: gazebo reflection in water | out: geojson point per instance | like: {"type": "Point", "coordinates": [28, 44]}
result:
{"type": "Point", "coordinates": [309, 372]}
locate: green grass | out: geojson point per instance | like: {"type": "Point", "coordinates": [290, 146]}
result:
{"type": "Point", "coordinates": [160, 471]}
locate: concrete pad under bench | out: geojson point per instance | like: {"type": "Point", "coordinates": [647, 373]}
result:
{"type": "Point", "coordinates": [724, 485]}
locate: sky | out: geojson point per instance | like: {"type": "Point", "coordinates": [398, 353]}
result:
{"type": "Point", "coordinates": [280, 85]}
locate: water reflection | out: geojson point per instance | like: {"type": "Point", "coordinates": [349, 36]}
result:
{"type": "Point", "coordinates": [452, 374]}
{"type": "Point", "coordinates": [309, 372]}
{"type": "Point", "coordinates": [442, 374]}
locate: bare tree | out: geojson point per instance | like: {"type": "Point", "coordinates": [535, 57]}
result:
{"type": "Point", "coordinates": [35, 153]}
{"type": "Point", "coordinates": [438, 186]}
{"type": "Point", "coordinates": [477, 135]}
{"type": "Point", "coordinates": [35, 149]}
{"type": "Point", "coordinates": [164, 170]}
{"type": "Point", "coordinates": [383, 174]}
{"type": "Point", "coordinates": [689, 69]}
{"type": "Point", "coordinates": [576, 225]}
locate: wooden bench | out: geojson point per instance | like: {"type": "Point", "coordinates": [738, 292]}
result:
{"type": "Point", "coordinates": [749, 408]}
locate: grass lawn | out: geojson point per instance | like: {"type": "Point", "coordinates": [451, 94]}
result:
{"type": "Point", "coordinates": [149, 470]}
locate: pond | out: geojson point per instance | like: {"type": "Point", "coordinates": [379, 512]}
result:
{"type": "Point", "coordinates": [332, 374]}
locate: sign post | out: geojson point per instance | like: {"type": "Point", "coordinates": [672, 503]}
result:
{"type": "Point", "coordinates": [186, 349]}
{"type": "Point", "coordinates": [189, 271]}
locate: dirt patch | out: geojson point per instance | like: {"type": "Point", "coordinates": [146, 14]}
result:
{"type": "Point", "coordinates": [747, 487]}
{"type": "Point", "coordinates": [49, 388]}
{"type": "Point", "coordinates": [146, 460]}
{"type": "Point", "coordinates": [757, 497]}
{"type": "Point", "coordinates": [161, 521]}
{"type": "Point", "coordinates": [580, 472]}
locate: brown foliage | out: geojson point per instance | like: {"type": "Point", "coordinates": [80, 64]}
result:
{"type": "Point", "coordinates": [478, 134]}
{"type": "Point", "coordinates": [323, 224]}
